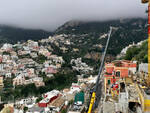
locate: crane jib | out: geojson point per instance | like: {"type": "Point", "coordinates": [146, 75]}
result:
{"type": "Point", "coordinates": [99, 73]}
{"type": "Point", "coordinates": [103, 58]}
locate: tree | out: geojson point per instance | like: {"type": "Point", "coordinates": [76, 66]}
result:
{"type": "Point", "coordinates": [39, 99]}
{"type": "Point", "coordinates": [25, 109]}
{"type": "Point", "coordinates": [64, 111]}
{"type": "Point", "coordinates": [139, 53]}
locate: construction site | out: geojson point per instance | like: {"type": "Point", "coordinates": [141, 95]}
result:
{"type": "Point", "coordinates": [125, 90]}
{"type": "Point", "coordinates": [126, 86]}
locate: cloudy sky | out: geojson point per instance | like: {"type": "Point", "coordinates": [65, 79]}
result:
{"type": "Point", "coordinates": [49, 14]}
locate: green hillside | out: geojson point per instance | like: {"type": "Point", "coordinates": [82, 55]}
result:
{"type": "Point", "coordinates": [139, 53]}
{"type": "Point", "coordinates": [13, 34]}
{"type": "Point", "coordinates": [126, 32]}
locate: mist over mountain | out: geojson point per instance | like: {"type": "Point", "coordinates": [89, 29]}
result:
{"type": "Point", "coordinates": [50, 14]}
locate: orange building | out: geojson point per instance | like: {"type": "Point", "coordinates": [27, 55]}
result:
{"type": "Point", "coordinates": [121, 72]}
{"type": "Point", "coordinates": [109, 68]}
{"type": "Point", "coordinates": [120, 68]}
{"type": "Point", "coordinates": [117, 70]}
{"type": "Point", "coordinates": [128, 64]}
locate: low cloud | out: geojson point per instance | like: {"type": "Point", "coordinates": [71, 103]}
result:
{"type": "Point", "coordinates": [49, 14]}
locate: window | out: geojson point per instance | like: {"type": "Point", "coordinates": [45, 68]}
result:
{"type": "Point", "coordinates": [108, 81]}
{"type": "Point", "coordinates": [118, 74]}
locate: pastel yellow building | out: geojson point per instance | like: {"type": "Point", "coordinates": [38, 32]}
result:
{"type": "Point", "coordinates": [1, 81]}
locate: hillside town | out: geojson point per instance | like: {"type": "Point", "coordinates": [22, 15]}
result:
{"type": "Point", "coordinates": [24, 63]}
{"type": "Point", "coordinates": [74, 56]}
{"type": "Point", "coordinates": [20, 65]}
{"type": "Point", "coordinates": [30, 63]}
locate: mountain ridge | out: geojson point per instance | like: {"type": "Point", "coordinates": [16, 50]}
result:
{"type": "Point", "coordinates": [87, 34]}
{"type": "Point", "coordinates": [127, 31]}
{"type": "Point", "coordinates": [10, 34]}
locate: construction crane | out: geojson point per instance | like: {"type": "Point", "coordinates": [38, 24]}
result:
{"type": "Point", "coordinates": [148, 79]}
{"type": "Point", "coordinates": [145, 97]}
{"type": "Point", "coordinates": [99, 73]}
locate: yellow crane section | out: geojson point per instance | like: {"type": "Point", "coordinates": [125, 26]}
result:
{"type": "Point", "coordinates": [144, 100]}
{"type": "Point", "coordinates": [148, 79]}
{"type": "Point", "coordinates": [92, 102]}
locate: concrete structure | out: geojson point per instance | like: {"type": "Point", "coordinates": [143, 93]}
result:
{"type": "Point", "coordinates": [143, 67]}
{"type": "Point", "coordinates": [35, 109]}
{"type": "Point", "coordinates": [108, 107]}
{"type": "Point", "coordinates": [57, 104]}
{"type": "Point", "coordinates": [144, 96]}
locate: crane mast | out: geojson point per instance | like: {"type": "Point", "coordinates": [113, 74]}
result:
{"type": "Point", "coordinates": [99, 73]}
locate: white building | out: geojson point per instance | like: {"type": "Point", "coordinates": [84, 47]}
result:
{"type": "Point", "coordinates": [143, 67]}
{"type": "Point", "coordinates": [7, 47]}
{"type": "Point", "coordinates": [19, 80]}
